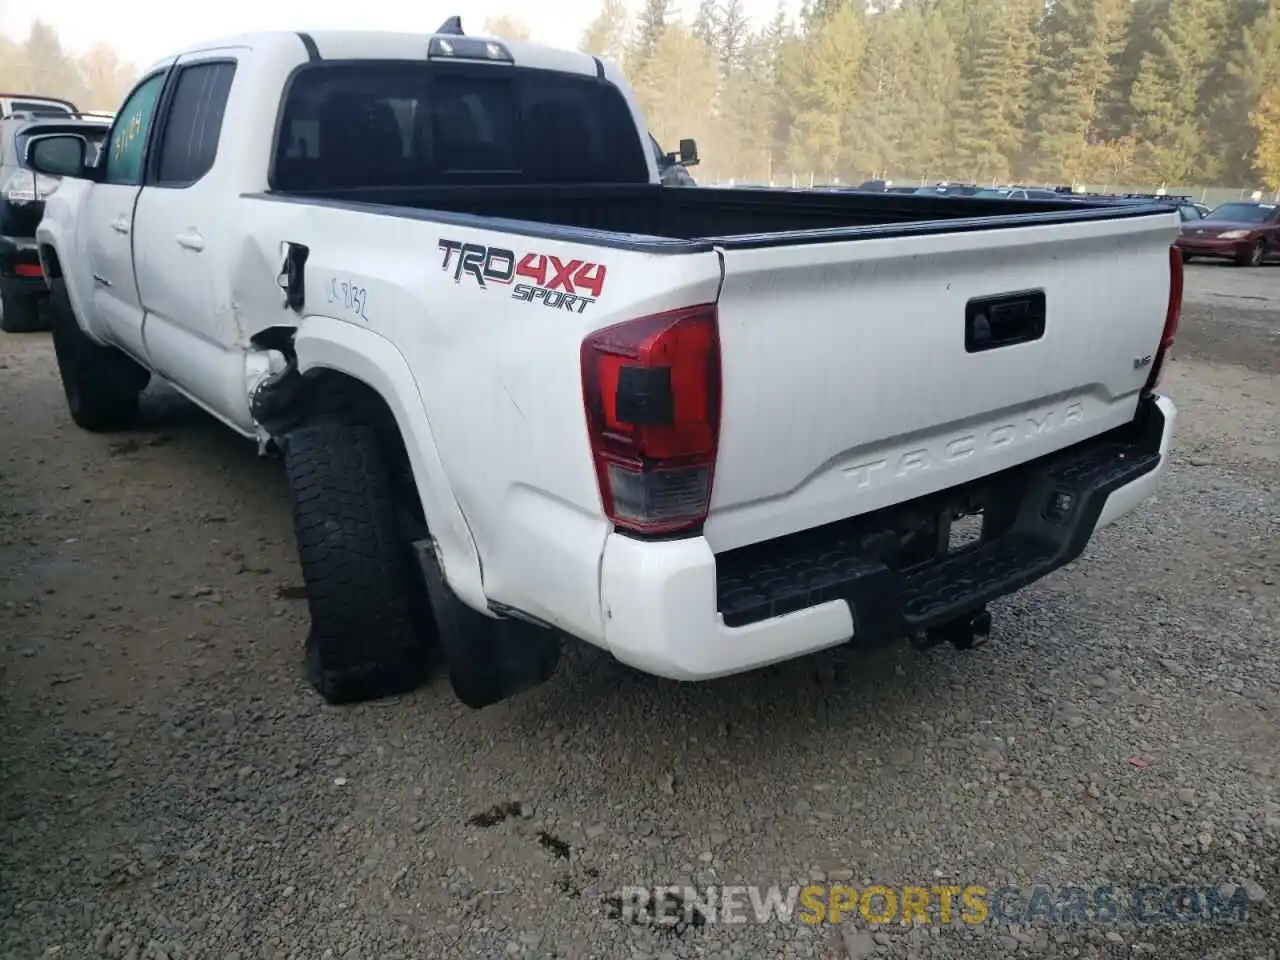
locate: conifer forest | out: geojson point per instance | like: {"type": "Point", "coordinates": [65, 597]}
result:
{"type": "Point", "coordinates": [1160, 93]}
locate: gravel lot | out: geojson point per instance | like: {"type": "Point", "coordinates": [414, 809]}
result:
{"type": "Point", "coordinates": [172, 789]}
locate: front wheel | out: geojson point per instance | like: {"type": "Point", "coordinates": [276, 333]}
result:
{"type": "Point", "coordinates": [1254, 256]}
{"type": "Point", "coordinates": [101, 384]}
{"type": "Point", "coordinates": [356, 564]}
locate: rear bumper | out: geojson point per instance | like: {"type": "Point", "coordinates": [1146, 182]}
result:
{"type": "Point", "coordinates": [676, 610]}
{"type": "Point", "coordinates": [20, 264]}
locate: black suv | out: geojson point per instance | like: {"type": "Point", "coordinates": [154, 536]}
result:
{"type": "Point", "coordinates": [22, 195]}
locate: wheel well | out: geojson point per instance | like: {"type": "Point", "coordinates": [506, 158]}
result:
{"type": "Point", "coordinates": [49, 256]}
{"type": "Point", "coordinates": [342, 398]}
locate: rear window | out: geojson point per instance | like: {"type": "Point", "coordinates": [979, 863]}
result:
{"type": "Point", "coordinates": [398, 124]}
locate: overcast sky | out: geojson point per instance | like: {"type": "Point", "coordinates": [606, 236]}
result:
{"type": "Point", "coordinates": [145, 31]}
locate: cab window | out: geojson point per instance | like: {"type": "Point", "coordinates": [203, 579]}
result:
{"type": "Point", "coordinates": [383, 123]}
{"type": "Point", "coordinates": [128, 141]}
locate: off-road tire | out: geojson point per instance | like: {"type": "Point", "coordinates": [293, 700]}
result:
{"type": "Point", "coordinates": [1254, 256]}
{"type": "Point", "coordinates": [102, 385]}
{"type": "Point", "coordinates": [21, 311]}
{"type": "Point", "coordinates": [356, 563]}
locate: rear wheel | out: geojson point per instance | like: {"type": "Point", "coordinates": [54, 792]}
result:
{"type": "Point", "coordinates": [21, 311]}
{"type": "Point", "coordinates": [102, 385]}
{"type": "Point", "coordinates": [363, 643]}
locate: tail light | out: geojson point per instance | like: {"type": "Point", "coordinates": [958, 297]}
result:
{"type": "Point", "coordinates": [1172, 315]}
{"type": "Point", "coordinates": [26, 186]}
{"type": "Point", "coordinates": [651, 387]}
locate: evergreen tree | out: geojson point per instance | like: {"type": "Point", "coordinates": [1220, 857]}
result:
{"type": "Point", "coordinates": [677, 89]}
{"type": "Point", "coordinates": [814, 13]}
{"type": "Point", "coordinates": [732, 36]}
{"type": "Point", "coordinates": [652, 24]}
{"type": "Point", "coordinates": [935, 67]}
{"type": "Point", "coordinates": [745, 101]}
{"type": "Point", "coordinates": [786, 54]}
{"type": "Point", "coordinates": [1117, 119]}
{"type": "Point", "coordinates": [963, 27]}
{"type": "Point", "coordinates": [49, 70]}
{"type": "Point", "coordinates": [876, 133]}
{"type": "Point", "coordinates": [1237, 70]}
{"type": "Point", "coordinates": [706, 24]}
{"type": "Point", "coordinates": [992, 108]}
{"type": "Point", "coordinates": [826, 92]}
{"type": "Point", "coordinates": [606, 35]}
{"type": "Point", "coordinates": [779, 28]}
{"type": "Point", "coordinates": [1092, 91]}
{"type": "Point", "coordinates": [1079, 40]}
{"type": "Point", "coordinates": [1168, 91]}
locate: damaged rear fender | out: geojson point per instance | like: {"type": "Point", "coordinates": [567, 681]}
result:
{"type": "Point", "coordinates": [323, 343]}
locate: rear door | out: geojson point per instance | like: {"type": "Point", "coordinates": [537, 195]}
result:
{"type": "Point", "coordinates": [863, 373]}
{"type": "Point", "coordinates": [107, 224]}
{"type": "Point", "coordinates": [178, 244]}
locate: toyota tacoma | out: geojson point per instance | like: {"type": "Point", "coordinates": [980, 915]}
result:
{"type": "Point", "coordinates": [525, 392]}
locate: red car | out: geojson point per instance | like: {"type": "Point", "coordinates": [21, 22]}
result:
{"type": "Point", "coordinates": [1245, 232]}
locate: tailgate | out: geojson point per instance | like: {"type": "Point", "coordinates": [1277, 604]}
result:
{"type": "Point", "coordinates": [858, 374]}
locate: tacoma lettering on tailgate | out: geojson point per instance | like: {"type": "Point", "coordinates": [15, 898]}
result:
{"type": "Point", "coordinates": [950, 450]}
{"type": "Point", "coordinates": [533, 277]}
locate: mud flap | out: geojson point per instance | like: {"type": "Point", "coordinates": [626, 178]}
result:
{"type": "Point", "coordinates": [488, 659]}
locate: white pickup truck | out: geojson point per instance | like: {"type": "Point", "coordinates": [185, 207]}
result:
{"type": "Point", "coordinates": [525, 392]}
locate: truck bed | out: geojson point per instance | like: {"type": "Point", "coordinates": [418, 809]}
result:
{"type": "Point", "coordinates": [860, 364]}
{"type": "Point", "coordinates": [634, 216]}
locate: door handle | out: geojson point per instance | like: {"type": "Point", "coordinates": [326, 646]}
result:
{"type": "Point", "coordinates": [120, 224]}
{"type": "Point", "coordinates": [1003, 321]}
{"type": "Point", "coordinates": [191, 240]}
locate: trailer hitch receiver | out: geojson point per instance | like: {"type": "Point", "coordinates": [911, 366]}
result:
{"type": "Point", "coordinates": [964, 633]}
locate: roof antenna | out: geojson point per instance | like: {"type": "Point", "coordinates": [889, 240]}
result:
{"type": "Point", "coordinates": [452, 27]}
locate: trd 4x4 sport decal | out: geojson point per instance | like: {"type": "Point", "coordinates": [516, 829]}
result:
{"type": "Point", "coordinates": [533, 278]}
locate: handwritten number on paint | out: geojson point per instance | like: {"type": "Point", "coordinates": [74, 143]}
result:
{"type": "Point", "coordinates": [353, 297]}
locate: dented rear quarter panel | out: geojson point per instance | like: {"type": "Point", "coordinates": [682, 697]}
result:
{"type": "Point", "coordinates": [497, 370]}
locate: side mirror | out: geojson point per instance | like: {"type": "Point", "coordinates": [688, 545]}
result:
{"type": "Point", "coordinates": [58, 154]}
{"type": "Point", "coordinates": [688, 153]}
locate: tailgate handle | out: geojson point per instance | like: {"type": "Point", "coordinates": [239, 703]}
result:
{"type": "Point", "coordinates": [1004, 320]}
